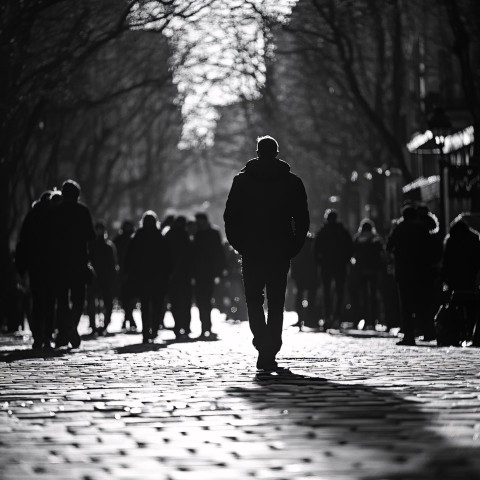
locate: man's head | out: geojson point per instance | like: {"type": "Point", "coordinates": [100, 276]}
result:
{"type": "Point", "coordinates": [150, 220]}
{"type": "Point", "coordinates": [101, 229]}
{"type": "Point", "coordinates": [409, 213]}
{"type": "Point", "coordinates": [70, 190]}
{"type": "Point", "coordinates": [45, 196]}
{"type": "Point", "coordinates": [56, 198]}
{"type": "Point", "coordinates": [202, 220]}
{"type": "Point", "coordinates": [180, 223]}
{"type": "Point", "coordinates": [267, 147]}
{"type": "Point", "coordinates": [127, 227]}
{"type": "Point", "coordinates": [331, 215]}
{"type": "Point", "coordinates": [191, 227]}
{"type": "Point", "coordinates": [366, 225]}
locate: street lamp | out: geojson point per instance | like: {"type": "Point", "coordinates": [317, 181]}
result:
{"type": "Point", "coordinates": [439, 124]}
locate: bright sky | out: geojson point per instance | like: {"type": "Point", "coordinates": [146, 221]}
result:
{"type": "Point", "coordinates": [220, 57]}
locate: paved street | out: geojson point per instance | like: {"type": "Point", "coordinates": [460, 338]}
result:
{"type": "Point", "coordinates": [352, 408]}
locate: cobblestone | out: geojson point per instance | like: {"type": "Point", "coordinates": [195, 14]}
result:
{"type": "Point", "coordinates": [350, 408]}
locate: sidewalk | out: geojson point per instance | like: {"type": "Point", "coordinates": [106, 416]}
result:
{"type": "Point", "coordinates": [352, 408]}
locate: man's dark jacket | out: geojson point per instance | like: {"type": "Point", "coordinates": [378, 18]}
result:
{"type": "Point", "coordinates": [34, 251]}
{"type": "Point", "coordinates": [73, 230]}
{"type": "Point", "coordinates": [415, 251]}
{"type": "Point", "coordinates": [208, 254]}
{"type": "Point", "coordinates": [267, 210]}
{"type": "Point", "coordinates": [103, 255]}
{"type": "Point", "coordinates": [148, 261]}
{"type": "Point", "coordinates": [333, 247]}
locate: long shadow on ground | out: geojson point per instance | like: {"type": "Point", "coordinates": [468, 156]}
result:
{"type": "Point", "coordinates": [29, 354]}
{"type": "Point", "coordinates": [368, 432]}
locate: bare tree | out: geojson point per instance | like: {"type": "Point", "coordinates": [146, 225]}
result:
{"type": "Point", "coordinates": [360, 48]}
{"type": "Point", "coordinates": [44, 46]}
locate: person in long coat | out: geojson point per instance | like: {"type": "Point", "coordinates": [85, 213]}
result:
{"type": "Point", "coordinates": [209, 264]}
{"type": "Point", "coordinates": [415, 251]}
{"type": "Point", "coordinates": [180, 285]}
{"type": "Point", "coordinates": [369, 255]}
{"type": "Point", "coordinates": [333, 249]}
{"type": "Point", "coordinates": [460, 269]}
{"type": "Point", "coordinates": [103, 255]}
{"type": "Point", "coordinates": [148, 265]}
{"type": "Point", "coordinates": [34, 257]}
{"type": "Point", "coordinates": [124, 294]}
{"type": "Point", "coordinates": [72, 231]}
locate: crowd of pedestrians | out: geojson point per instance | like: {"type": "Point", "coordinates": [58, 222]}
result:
{"type": "Point", "coordinates": [433, 281]}
{"type": "Point", "coordinates": [338, 279]}
{"type": "Point", "coordinates": [74, 268]}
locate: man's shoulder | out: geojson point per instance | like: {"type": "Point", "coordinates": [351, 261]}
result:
{"type": "Point", "coordinates": [72, 208]}
{"type": "Point", "coordinates": [82, 207]}
{"type": "Point", "coordinates": [295, 179]}
{"type": "Point", "coordinates": [214, 231]}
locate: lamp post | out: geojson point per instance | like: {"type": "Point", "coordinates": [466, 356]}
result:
{"type": "Point", "coordinates": [440, 126]}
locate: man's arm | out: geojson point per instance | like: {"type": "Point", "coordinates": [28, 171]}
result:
{"type": "Point", "coordinates": [233, 217]}
{"type": "Point", "coordinates": [392, 240]}
{"type": "Point", "coordinates": [301, 217]}
{"type": "Point", "coordinates": [88, 225]}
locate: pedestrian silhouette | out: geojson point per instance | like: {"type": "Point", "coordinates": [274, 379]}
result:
{"type": "Point", "coordinates": [180, 286]}
{"type": "Point", "coordinates": [460, 268]}
{"type": "Point", "coordinates": [415, 251]}
{"type": "Point", "coordinates": [33, 256]}
{"type": "Point", "coordinates": [333, 250]}
{"type": "Point", "coordinates": [72, 231]}
{"type": "Point", "coordinates": [266, 221]}
{"type": "Point", "coordinates": [209, 264]}
{"type": "Point", "coordinates": [103, 256]}
{"type": "Point", "coordinates": [431, 287]}
{"type": "Point", "coordinates": [148, 265]}
{"type": "Point", "coordinates": [121, 242]}
{"type": "Point", "coordinates": [368, 254]}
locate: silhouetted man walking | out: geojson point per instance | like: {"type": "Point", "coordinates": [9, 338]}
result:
{"type": "Point", "coordinates": [121, 242]}
{"type": "Point", "coordinates": [209, 263]}
{"type": "Point", "coordinates": [103, 256]}
{"type": "Point", "coordinates": [72, 231]}
{"type": "Point", "coordinates": [333, 249]}
{"type": "Point", "coordinates": [266, 220]}
{"type": "Point", "coordinates": [33, 255]}
{"type": "Point", "coordinates": [415, 250]}
{"type": "Point", "coordinates": [148, 265]}
{"type": "Point", "coordinates": [180, 287]}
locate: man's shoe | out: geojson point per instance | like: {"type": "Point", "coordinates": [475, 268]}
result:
{"type": "Point", "coordinates": [266, 362]}
{"type": "Point", "coordinates": [75, 339]}
{"type": "Point", "coordinates": [61, 341]}
{"type": "Point", "coordinates": [407, 342]}
{"type": "Point", "coordinates": [47, 347]}
{"type": "Point", "coordinates": [208, 335]}
{"type": "Point", "coordinates": [101, 331]}
{"type": "Point", "coordinates": [181, 337]}
{"type": "Point", "coordinates": [311, 325]}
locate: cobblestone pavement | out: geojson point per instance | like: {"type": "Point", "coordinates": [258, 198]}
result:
{"type": "Point", "coordinates": [351, 408]}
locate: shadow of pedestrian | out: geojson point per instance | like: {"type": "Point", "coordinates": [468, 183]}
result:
{"type": "Point", "coordinates": [27, 354]}
{"type": "Point", "coordinates": [373, 433]}
{"type": "Point", "coordinates": [140, 348]}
